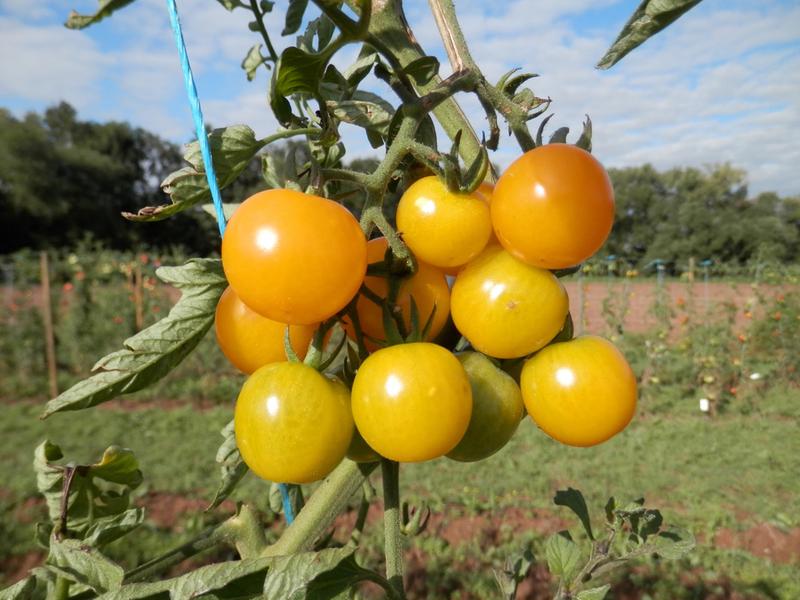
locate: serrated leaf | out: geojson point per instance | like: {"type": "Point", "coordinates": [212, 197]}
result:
{"type": "Point", "coordinates": [356, 72]}
{"type": "Point", "coordinates": [96, 512]}
{"type": "Point", "coordinates": [155, 351]}
{"type": "Point", "coordinates": [105, 531]}
{"type": "Point", "coordinates": [673, 543]}
{"type": "Point", "coordinates": [83, 564]}
{"type": "Point", "coordinates": [106, 9]}
{"type": "Point", "coordinates": [319, 575]}
{"type": "Point", "coordinates": [597, 593]}
{"type": "Point", "coordinates": [231, 465]}
{"type": "Point", "coordinates": [563, 555]}
{"type": "Point", "coordinates": [232, 149]}
{"type": "Point", "coordinates": [204, 580]}
{"type": "Point", "coordinates": [298, 72]}
{"type": "Point", "coordinates": [573, 499]}
{"type": "Point", "coordinates": [559, 136]}
{"type": "Point", "coordinates": [585, 141]}
{"type": "Point", "coordinates": [294, 16]}
{"type": "Point", "coordinates": [423, 69]}
{"type": "Point", "coordinates": [648, 19]}
{"type": "Point", "coordinates": [361, 113]}
{"type": "Point", "coordinates": [252, 61]}
{"type": "Point", "coordinates": [228, 208]}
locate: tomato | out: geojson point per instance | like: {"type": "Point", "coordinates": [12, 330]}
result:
{"type": "Point", "coordinates": [442, 228]}
{"type": "Point", "coordinates": [496, 409]}
{"type": "Point", "coordinates": [581, 392]}
{"type": "Point", "coordinates": [428, 286]}
{"type": "Point", "coordinates": [251, 341]}
{"type": "Point", "coordinates": [292, 423]}
{"type": "Point", "coordinates": [505, 307]}
{"type": "Point", "coordinates": [293, 257]}
{"type": "Point", "coordinates": [412, 402]}
{"type": "Point", "coordinates": [553, 207]}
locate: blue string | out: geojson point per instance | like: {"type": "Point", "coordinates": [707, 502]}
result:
{"type": "Point", "coordinates": [202, 138]}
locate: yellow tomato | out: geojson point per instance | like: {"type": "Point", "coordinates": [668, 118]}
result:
{"type": "Point", "coordinates": [580, 392]}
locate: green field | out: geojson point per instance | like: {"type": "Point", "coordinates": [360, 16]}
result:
{"type": "Point", "coordinates": [728, 480]}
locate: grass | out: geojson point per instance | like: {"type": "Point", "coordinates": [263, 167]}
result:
{"type": "Point", "coordinates": [733, 473]}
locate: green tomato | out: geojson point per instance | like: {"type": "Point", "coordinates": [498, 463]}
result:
{"type": "Point", "coordinates": [497, 409]}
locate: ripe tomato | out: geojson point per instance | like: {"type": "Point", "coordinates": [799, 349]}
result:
{"type": "Point", "coordinates": [292, 424]}
{"type": "Point", "coordinates": [496, 409]}
{"type": "Point", "coordinates": [293, 257]}
{"type": "Point", "coordinates": [580, 392]}
{"type": "Point", "coordinates": [553, 207]}
{"type": "Point", "coordinates": [505, 307]}
{"type": "Point", "coordinates": [442, 228]}
{"type": "Point", "coordinates": [412, 402]}
{"type": "Point", "coordinates": [251, 341]}
{"type": "Point", "coordinates": [428, 286]}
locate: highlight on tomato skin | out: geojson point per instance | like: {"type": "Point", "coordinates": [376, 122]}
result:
{"type": "Point", "coordinates": [507, 308]}
{"type": "Point", "coordinates": [581, 392]}
{"type": "Point", "coordinates": [443, 228]}
{"type": "Point", "coordinates": [553, 207]}
{"type": "Point", "coordinates": [292, 424]}
{"type": "Point", "coordinates": [428, 287]}
{"type": "Point", "coordinates": [250, 341]}
{"type": "Point", "coordinates": [293, 257]}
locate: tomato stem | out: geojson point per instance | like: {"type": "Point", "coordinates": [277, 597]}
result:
{"type": "Point", "coordinates": [393, 539]}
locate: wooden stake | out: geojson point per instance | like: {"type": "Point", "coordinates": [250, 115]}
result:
{"type": "Point", "coordinates": [47, 315]}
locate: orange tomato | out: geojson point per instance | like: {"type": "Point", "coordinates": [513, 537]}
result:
{"type": "Point", "coordinates": [553, 207]}
{"type": "Point", "coordinates": [294, 257]}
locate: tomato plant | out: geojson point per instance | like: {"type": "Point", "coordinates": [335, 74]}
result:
{"type": "Point", "coordinates": [293, 254]}
{"type": "Point", "coordinates": [553, 207]}
{"type": "Point", "coordinates": [292, 423]}
{"type": "Point", "coordinates": [292, 257]}
{"type": "Point", "coordinates": [581, 392]}
{"type": "Point", "coordinates": [443, 228]}
{"type": "Point", "coordinates": [251, 341]}
{"type": "Point", "coordinates": [507, 308]}
{"type": "Point", "coordinates": [497, 409]}
{"type": "Point", "coordinates": [412, 402]}
{"type": "Point", "coordinates": [427, 287]}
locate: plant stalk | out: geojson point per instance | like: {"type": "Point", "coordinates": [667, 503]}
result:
{"type": "Point", "coordinates": [393, 538]}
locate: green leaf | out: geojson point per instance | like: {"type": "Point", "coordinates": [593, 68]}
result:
{"type": "Point", "coordinates": [22, 590]}
{"type": "Point", "coordinates": [673, 543]}
{"type": "Point", "coordinates": [294, 16]}
{"type": "Point", "coordinates": [153, 352]}
{"type": "Point", "coordinates": [204, 580]}
{"type": "Point", "coordinates": [559, 136]}
{"type": "Point", "coordinates": [252, 61]}
{"type": "Point", "coordinates": [563, 555]}
{"type": "Point", "coordinates": [231, 464]}
{"type": "Point", "coordinates": [231, 4]}
{"type": "Point", "coordinates": [610, 507]}
{"type": "Point", "coordinates": [356, 72]}
{"type": "Point", "coordinates": [99, 494]}
{"type": "Point", "coordinates": [228, 208]}
{"type": "Point", "coordinates": [649, 18]}
{"type": "Point", "coordinates": [597, 593]}
{"type": "Point", "coordinates": [585, 141]}
{"type": "Point", "coordinates": [232, 149]}
{"type": "Point", "coordinates": [83, 564]}
{"type": "Point", "coordinates": [423, 69]}
{"type": "Point", "coordinates": [540, 131]}
{"type": "Point", "coordinates": [298, 72]}
{"type": "Point", "coordinates": [369, 115]}
{"type": "Point", "coordinates": [573, 499]}
{"type": "Point", "coordinates": [319, 575]}
{"type": "Point", "coordinates": [106, 8]}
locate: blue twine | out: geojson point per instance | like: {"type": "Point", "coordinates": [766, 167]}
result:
{"type": "Point", "coordinates": [202, 138]}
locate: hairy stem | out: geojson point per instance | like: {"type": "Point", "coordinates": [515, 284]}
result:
{"type": "Point", "coordinates": [263, 30]}
{"type": "Point", "coordinates": [393, 538]}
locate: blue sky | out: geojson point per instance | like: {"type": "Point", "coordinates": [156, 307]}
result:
{"type": "Point", "coordinates": [721, 85]}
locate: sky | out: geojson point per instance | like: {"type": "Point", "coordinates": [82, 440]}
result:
{"type": "Point", "coordinates": [720, 85]}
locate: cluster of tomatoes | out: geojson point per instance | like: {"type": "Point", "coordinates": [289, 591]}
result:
{"type": "Point", "coordinates": [485, 265]}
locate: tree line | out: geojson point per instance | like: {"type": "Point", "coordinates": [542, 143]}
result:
{"type": "Point", "coordinates": [63, 179]}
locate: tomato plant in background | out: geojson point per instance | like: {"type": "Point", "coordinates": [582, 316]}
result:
{"type": "Point", "coordinates": [294, 256]}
